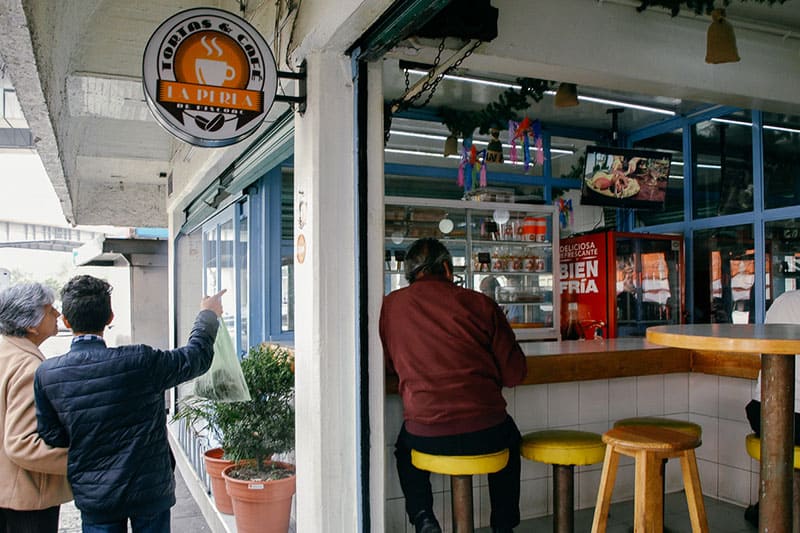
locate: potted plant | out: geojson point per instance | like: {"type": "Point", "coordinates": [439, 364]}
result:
{"type": "Point", "coordinates": [200, 414]}
{"type": "Point", "coordinates": [252, 432]}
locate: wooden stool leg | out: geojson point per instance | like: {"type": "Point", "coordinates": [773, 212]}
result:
{"type": "Point", "coordinates": [607, 478]}
{"type": "Point", "coordinates": [563, 498]}
{"type": "Point", "coordinates": [648, 514]}
{"type": "Point", "coordinates": [694, 493]}
{"type": "Point", "coordinates": [461, 493]}
{"type": "Point", "coordinates": [796, 503]}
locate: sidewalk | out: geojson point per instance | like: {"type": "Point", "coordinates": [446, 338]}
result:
{"type": "Point", "coordinates": [186, 515]}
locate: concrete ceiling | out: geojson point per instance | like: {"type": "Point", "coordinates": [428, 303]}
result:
{"type": "Point", "coordinates": [108, 159]}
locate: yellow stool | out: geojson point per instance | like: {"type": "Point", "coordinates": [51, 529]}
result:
{"type": "Point", "coordinates": [461, 468]}
{"type": "Point", "coordinates": [649, 446]}
{"type": "Point", "coordinates": [753, 446]}
{"type": "Point", "coordinates": [563, 449]}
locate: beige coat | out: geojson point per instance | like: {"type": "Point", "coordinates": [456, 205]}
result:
{"type": "Point", "coordinates": [33, 474]}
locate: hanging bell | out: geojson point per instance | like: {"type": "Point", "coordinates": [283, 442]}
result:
{"type": "Point", "coordinates": [451, 145]}
{"type": "Point", "coordinates": [720, 40]}
{"type": "Point", "coordinates": [494, 150]}
{"type": "Point", "coordinates": [567, 95]}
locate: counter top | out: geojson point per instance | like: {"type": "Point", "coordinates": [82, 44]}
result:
{"type": "Point", "coordinates": [557, 362]}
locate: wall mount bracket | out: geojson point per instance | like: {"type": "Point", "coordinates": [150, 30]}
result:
{"type": "Point", "coordinates": [300, 99]}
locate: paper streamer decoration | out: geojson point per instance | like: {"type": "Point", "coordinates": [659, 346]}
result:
{"type": "Point", "coordinates": [527, 131]}
{"type": "Point", "coordinates": [564, 212]}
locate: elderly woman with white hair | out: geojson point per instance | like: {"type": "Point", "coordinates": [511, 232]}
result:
{"type": "Point", "coordinates": [34, 474]}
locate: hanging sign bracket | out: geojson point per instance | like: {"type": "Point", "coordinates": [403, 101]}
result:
{"type": "Point", "coordinates": [300, 99]}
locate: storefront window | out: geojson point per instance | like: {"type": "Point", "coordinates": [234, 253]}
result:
{"type": "Point", "coordinates": [242, 262]}
{"type": "Point", "coordinates": [673, 211]}
{"type": "Point", "coordinates": [722, 168]}
{"type": "Point", "coordinates": [228, 275]}
{"type": "Point", "coordinates": [210, 260]}
{"type": "Point", "coordinates": [287, 249]}
{"type": "Point", "coordinates": [724, 275]}
{"type": "Point", "coordinates": [567, 156]}
{"type": "Point", "coordinates": [781, 138]}
{"type": "Point", "coordinates": [783, 257]}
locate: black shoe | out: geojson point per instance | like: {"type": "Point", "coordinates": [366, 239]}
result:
{"type": "Point", "coordinates": [751, 514]}
{"type": "Point", "coordinates": [425, 522]}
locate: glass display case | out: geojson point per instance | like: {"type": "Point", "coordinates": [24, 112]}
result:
{"type": "Point", "coordinates": [504, 250]}
{"type": "Point", "coordinates": [619, 284]}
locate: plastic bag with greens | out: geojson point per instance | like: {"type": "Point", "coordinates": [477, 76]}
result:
{"type": "Point", "coordinates": [224, 381]}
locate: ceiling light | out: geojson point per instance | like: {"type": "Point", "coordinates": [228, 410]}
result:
{"type": "Point", "coordinates": [424, 153]}
{"type": "Point", "coordinates": [480, 142]}
{"type": "Point", "coordinates": [505, 85]}
{"type": "Point", "coordinates": [750, 124]}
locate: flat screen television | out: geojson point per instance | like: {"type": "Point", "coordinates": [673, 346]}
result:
{"type": "Point", "coordinates": [620, 177]}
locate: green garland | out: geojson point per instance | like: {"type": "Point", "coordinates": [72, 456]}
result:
{"type": "Point", "coordinates": [699, 6]}
{"type": "Point", "coordinates": [497, 114]}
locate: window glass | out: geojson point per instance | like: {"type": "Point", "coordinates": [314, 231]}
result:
{"type": "Point", "coordinates": [287, 248]}
{"type": "Point", "coordinates": [244, 286]}
{"type": "Point", "coordinates": [567, 156]}
{"type": "Point", "coordinates": [671, 142]}
{"type": "Point", "coordinates": [210, 260]}
{"type": "Point", "coordinates": [228, 275]}
{"type": "Point", "coordinates": [724, 275]}
{"type": "Point", "coordinates": [722, 168]}
{"type": "Point", "coordinates": [781, 138]}
{"type": "Point", "coordinates": [783, 257]}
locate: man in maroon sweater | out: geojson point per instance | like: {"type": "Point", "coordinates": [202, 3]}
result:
{"type": "Point", "coordinates": [453, 351]}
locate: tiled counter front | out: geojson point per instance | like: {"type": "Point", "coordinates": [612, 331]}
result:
{"type": "Point", "coordinates": [713, 401]}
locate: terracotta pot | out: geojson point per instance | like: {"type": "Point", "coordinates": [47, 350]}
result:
{"type": "Point", "coordinates": [261, 506]}
{"type": "Point", "coordinates": [215, 464]}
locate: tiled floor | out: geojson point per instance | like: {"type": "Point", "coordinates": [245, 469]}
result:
{"type": "Point", "coordinates": [722, 518]}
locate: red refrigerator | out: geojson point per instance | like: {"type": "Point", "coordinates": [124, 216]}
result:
{"type": "Point", "coordinates": [616, 284]}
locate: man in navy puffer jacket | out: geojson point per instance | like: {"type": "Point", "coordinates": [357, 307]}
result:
{"type": "Point", "coordinates": [107, 406]}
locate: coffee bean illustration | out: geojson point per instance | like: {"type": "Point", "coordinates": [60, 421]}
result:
{"type": "Point", "coordinates": [210, 125]}
{"type": "Point", "coordinates": [216, 123]}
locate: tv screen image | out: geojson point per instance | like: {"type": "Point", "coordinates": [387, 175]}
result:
{"type": "Point", "coordinates": [621, 177]}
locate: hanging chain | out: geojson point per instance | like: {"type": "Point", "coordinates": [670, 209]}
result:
{"type": "Point", "coordinates": [429, 86]}
{"type": "Point", "coordinates": [432, 82]}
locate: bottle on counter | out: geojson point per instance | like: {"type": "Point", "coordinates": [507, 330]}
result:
{"type": "Point", "coordinates": [570, 332]}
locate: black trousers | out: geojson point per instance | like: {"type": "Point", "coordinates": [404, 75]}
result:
{"type": "Point", "coordinates": [43, 521]}
{"type": "Point", "coordinates": [503, 485]}
{"type": "Point", "coordinates": [753, 412]}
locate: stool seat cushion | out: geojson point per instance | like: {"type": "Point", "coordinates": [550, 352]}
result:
{"type": "Point", "coordinates": [563, 447]}
{"type": "Point", "coordinates": [460, 465]}
{"type": "Point", "coordinates": [753, 445]}
{"type": "Point", "coordinates": [650, 438]}
{"type": "Point", "coordinates": [669, 423]}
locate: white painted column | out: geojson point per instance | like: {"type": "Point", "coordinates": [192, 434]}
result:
{"type": "Point", "coordinates": [375, 236]}
{"type": "Point", "coordinates": [325, 298]}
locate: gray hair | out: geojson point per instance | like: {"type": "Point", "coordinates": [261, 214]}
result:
{"type": "Point", "coordinates": [22, 307]}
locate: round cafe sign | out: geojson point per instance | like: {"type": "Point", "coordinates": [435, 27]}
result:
{"type": "Point", "coordinates": [209, 77]}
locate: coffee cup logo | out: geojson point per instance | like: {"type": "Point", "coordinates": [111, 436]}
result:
{"type": "Point", "coordinates": [213, 72]}
{"type": "Point", "coordinates": [209, 77]}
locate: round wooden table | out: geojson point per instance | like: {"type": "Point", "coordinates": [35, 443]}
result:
{"type": "Point", "coordinates": [773, 342]}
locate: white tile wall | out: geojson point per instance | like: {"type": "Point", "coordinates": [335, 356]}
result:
{"type": "Point", "coordinates": [563, 408]}
{"type": "Point", "coordinates": [734, 485]}
{"type": "Point", "coordinates": [621, 398]}
{"type": "Point", "coordinates": [650, 395]}
{"type": "Point", "coordinates": [703, 394]}
{"type": "Point", "coordinates": [676, 393]}
{"type": "Point", "coordinates": [593, 404]}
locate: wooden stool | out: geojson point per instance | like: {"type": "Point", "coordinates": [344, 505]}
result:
{"type": "Point", "coordinates": [563, 449]}
{"type": "Point", "coordinates": [649, 445]}
{"type": "Point", "coordinates": [461, 468]}
{"type": "Point", "coordinates": [753, 446]}
{"type": "Point", "coordinates": [668, 423]}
